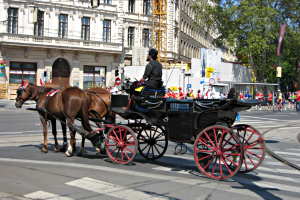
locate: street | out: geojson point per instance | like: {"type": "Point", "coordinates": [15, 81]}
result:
{"type": "Point", "coordinates": [26, 173]}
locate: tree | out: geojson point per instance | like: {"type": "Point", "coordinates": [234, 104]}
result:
{"type": "Point", "coordinates": [251, 29]}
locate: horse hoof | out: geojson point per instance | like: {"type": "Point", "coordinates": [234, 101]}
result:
{"type": "Point", "coordinates": [44, 150]}
{"type": "Point", "coordinates": [68, 154]}
{"type": "Point", "coordinates": [56, 149]}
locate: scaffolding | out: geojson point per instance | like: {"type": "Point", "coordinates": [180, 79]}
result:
{"type": "Point", "coordinates": [159, 38]}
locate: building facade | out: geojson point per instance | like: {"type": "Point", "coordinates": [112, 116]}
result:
{"type": "Point", "coordinates": [92, 36]}
{"type": "Point", "coordinates": [34, 34]}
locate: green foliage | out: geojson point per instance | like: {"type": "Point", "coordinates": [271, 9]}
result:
{"type": "Point", "coordinates": [251, 28]}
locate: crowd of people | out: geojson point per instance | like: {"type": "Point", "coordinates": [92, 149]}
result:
{"type": "Point", "coordinates": [191, 94]}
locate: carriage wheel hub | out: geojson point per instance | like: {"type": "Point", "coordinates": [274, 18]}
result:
{"type": "Point", "coordinates": [219, 152]}
{"type": "Point", "coordinates": [121, 144]}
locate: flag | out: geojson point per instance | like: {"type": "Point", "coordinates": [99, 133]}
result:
{"type": "Point", "coordinates": [280, 40]}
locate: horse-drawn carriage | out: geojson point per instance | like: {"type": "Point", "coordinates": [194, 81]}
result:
{"type": "Point", "coordinates": [221, 149]}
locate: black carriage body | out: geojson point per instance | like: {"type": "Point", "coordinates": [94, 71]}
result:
{"type": "Point", "coordinates": [184, 125]}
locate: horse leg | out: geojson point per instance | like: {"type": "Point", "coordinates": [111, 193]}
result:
{"type": "Point", "coordinates": [45, 134]}
{"type": "Point", "coordinates": [82, 149]}
{"type": "Point", "coordinates": [72, 143]}
{"type": "Point", "coordinates": [65, 140]}
{"type": "Point", "coordinates": [54, 132]}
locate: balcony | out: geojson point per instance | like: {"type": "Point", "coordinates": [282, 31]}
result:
{"type": "Point", "coordinates": [72, 42]}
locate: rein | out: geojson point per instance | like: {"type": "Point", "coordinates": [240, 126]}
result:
{"type": "Point", "coordinates": [106, 106]}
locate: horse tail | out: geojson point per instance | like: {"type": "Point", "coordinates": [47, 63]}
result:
{"type": "Point", "coordinates": [85, 114]}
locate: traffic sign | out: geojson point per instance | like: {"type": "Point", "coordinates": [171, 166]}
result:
{"type": "Point", "coordinates": [189, 86]}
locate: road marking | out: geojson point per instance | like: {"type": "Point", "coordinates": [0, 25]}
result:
{"type": "Point", "coordinates": [276, 177]}
{"type": "Point", "coordinates": [274, 170]}
{"type": "Point", "coordinates": [112, 190]}
{"type": "Point", "coordinates": [270, 185]}
{"type": "Point", "coordinates": [46, 195]}
{"type": "Point", "coordinates": [288, 153]}
{"type": "Point", "coordinates": [18, 132]}
{"type": "Point", "coordinates": [293, 149]}
{"type": "Point", "coordinates": [167, 169]}
{"type": "Point", "coordinates": [206, 183]}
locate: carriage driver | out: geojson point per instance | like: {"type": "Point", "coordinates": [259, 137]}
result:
{"type": "Point", "coordinates": [152, 77]}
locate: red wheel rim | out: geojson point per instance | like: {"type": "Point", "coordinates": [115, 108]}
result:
{"type": "Point", "coordinates": [121, 144]}
{"type": "Point", "coordinates": [253, 145]}
{"type": "Point", "coordinates": [218, 152]}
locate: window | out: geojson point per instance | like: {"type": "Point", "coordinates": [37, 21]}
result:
{"type": "Point", "coordinates": [19, 71]}
{"type": "Point", "coordinates": [106, 30]}
{"type": "Point", "coordinates": [107, 1]}
{"type": "Point", "coordinates": [131, 4]}
{"type": "Point", "coordinates": [85, 28]}
{"type": "Point", "coordinates": [94, 76]}
{"type": "Point", "coordinates": [12, 21]}
{"type": "Point", "coordinates": [146, 37]}
{"type": "Point", "coordinates": [63, 26]}
{"type": "Point", "coordinates": [39, 23]}
{"type": "Point", "coordinates": [130, 36]}
{"type": "Point", "coordinates": [146, 7]}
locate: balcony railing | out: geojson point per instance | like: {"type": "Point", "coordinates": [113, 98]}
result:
{"type": "Point", "coordinates": [71, 41]}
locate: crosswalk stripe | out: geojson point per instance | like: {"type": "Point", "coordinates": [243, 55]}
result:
{"type": "Point", "coordinates": [294, 149]}
{"type": "Point", "coordinates": [167, 169]}
{"type": "Point", "coordinates": [288, 153]}
{"type": "Point", "coordinates": [276, 177]}
{"type": "Point", "coordinates": [270, 185]}
{"type": "Point", "coordinates": [274, 170]}
{"type": "Point", "coordinates": [112, 190]}
{"type": "Point", "coordinates": [41, 195]}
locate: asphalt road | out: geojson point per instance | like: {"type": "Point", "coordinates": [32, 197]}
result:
{"type": "Point", "coordinates": [26, 173]}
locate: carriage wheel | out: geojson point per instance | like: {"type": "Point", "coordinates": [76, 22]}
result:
{"type": "Point", "coordinates": [121, 144]}
{"type": "Point", "coordinates": [153, 142]}
{"type": "Point", "coordinates": [215, 149]}
{"type": "Point", "coordinates": [253, 144]}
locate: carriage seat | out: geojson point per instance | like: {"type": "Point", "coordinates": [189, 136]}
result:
{"type": "Point", "coordinates": [155, 93]}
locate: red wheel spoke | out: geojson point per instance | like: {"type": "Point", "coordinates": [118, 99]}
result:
{"type": "Point", "coordinates": [249, 138]}
{"type": "Point", "coordinates": [130, 150]}
{"type": "Point", "coordinates": [111, 145]}
{"type": "Point", "coordinates": [204, 157]}
{"type": "Point", "coordinates": [231, 161]}
{"type": "Point", "coordinates": [220, 167]}
{"type": "Point", "coordinates": [205, 143]}
{"type": "Point", "coordinates": [130, 143]}
{"type": "Point", "coordinates": [115, 135]}
{"type": "Point", "coordinates": [232, 154]}
{"type": "Point", "coordinates": [128, 158]}
{"type": "Point", "coordinates": [227, 167]}
{"type": "Point", "coordinates": [254, 154]}
{"type": "Point", "coordinates": [214, 165]}
{"type": "Point", "coordinates": [208, 137]}
{"type": "Point", "coordinates": [131, 136]}
{"type": "Point", "coordinates": [246, 165]}
{"type": "Point", "coordinates": [227, 140]}
{"type": "Point", "coordinates": [122, 155]}
{"type": "Point", "coordinates": [204, 151]}
{"type": "Point", "coordinates": [208, 163]}
{"type": "Point", "coordinates": [250, 160]}
{"type": "Point", "coordinates": [216, 140]}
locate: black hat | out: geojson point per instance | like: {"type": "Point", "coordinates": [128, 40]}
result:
{"type": "Point", "coordinates": [153, 53]}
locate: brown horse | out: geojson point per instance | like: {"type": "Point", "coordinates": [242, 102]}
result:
{"type": "Point", "coordinates": [67, 104]}
{"type": "Point", "coordinates": [39, 95]}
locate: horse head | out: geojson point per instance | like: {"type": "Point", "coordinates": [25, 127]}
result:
{"type": "Point", "coordinates": [25, 92]}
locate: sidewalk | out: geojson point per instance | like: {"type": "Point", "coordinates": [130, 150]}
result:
{"type": "Point", "coordinates": [10, 104]}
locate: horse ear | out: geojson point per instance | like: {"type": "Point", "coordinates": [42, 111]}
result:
{"type": "Point", "coordinates": [22, 83]}
{"type": "Point", "coordinates": [42, 82]}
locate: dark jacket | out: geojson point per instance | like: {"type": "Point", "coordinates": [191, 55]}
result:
{"type": "Point", "coordinates": [153, 74]}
